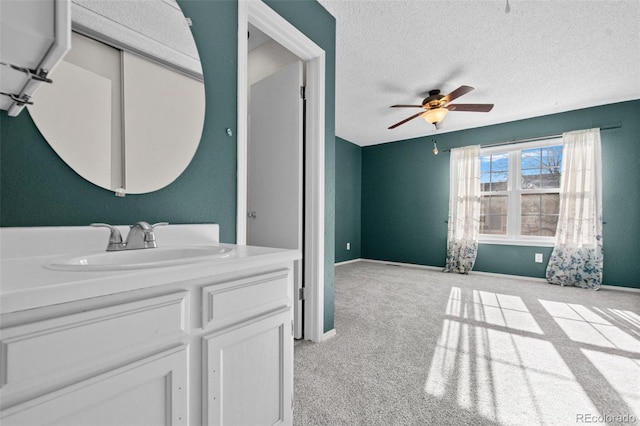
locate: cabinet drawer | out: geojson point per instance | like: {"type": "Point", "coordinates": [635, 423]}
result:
{"type": "Point", "coordinates": [233, 301]}
{"type": "Point", "coordinates": [48, 353]}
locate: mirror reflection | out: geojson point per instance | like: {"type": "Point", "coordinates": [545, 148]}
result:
{"type": "Point", "coordinates": [126, 109]}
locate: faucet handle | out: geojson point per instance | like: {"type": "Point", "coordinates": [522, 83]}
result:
{"type": "Point", "coordinates": [115, 238]}
{"type": "Point", "coordinates": [149, 236]}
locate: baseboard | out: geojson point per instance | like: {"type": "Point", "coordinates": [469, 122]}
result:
{"type": "Point", "coordinates": [490, 274]}
{"type": "Point", "coordinates": [347, 262]}
{"type": "Point", "coordinates": [544, 280]}
{"type": "Point", "coordinates": [405, 265]}
{"type": "Point", "coordinates": [514, 277]}
{"type": "Point", "coordinates": [620, 288]}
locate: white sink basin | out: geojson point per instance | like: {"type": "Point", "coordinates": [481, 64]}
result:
{"type": "Point", "coordinates": [140, 259]}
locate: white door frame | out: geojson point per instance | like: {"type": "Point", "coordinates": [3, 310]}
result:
{"type": "Point", "coordinates": [280, 30]}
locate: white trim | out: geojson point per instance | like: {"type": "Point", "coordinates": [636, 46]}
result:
{"type": "Point", "coordinates": [523, 242]}
{"type": "Point", "coordinates": [514, 193]}
{"type": "Point", "coordinates": [487, 274]}
{"type": "Point", "coordinates": [510, 276]}
{"type": "Point", "coordinates": [345, 262]}
{"type": "Point", "coordinates": [328, 335]}
{"type": "Point", "coordinates": [406, 265]}
{"type": "Point", "coordinates": [280, 30]}
{"type": "Point", "coordinates": [242, 130]}
{"type": "Point", "coordinates": [620, 288]}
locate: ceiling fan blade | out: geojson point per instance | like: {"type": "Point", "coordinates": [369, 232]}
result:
{"type": "Point", "coordinates": [405, 120]}
{"type": "Point", "coordinates": [462, 90]}
{"type": "Point", "coordinates": [405, 106]}
{"type": "Point", "coordinates": [470, 107]}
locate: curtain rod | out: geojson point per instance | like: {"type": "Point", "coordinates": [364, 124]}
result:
{"type": "Point", "coordinates": [539, 138]}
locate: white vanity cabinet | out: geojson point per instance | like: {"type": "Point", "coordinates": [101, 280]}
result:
{"type": "Point", "coordinates": [215, 348]}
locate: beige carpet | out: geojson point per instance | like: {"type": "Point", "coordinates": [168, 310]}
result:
{"type": "Point", "coordinates": [420, 347]}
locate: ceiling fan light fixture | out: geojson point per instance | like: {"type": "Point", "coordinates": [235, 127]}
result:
{"type": "Point", "coordinates": [435, 115]}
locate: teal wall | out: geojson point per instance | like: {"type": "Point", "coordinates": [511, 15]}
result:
{"type": "Point", "coordinates": [405, 194]}
{"type": "Point", "coordinates": [348, 199]}
{"type": "Point", "coordinates": [38, 189]}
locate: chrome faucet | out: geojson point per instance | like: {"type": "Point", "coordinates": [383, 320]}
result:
{"type": "Point", "coordinates": [141, 236]}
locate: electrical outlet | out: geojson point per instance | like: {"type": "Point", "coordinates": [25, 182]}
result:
{"type": "Point", "coordinates": [538, 258]}
{"type": "Point", "coordinates": [348, 246]}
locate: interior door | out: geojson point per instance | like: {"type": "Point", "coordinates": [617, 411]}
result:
{"type": "Point", "coordinates": [275, 155]}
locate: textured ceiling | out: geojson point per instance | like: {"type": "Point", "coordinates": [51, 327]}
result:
{"type": "Point", "coordinates": [540, 58]}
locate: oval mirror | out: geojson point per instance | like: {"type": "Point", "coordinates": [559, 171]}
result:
{"type": "Point", "coordinates": [126, 107]}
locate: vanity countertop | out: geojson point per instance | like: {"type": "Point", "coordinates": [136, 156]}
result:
{"type": "Point", "coordinates": [25, 282]}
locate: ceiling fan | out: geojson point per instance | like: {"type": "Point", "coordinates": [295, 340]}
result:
{"type": "Point", "coordinates": [436, 106]}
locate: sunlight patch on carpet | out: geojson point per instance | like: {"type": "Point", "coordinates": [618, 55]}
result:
{"type": "Point", "coordinates": [490, 359]}
{"type": "Point", "coordinates": [622, 373]}
{"type": "Point", "coordinates": [583, 325]}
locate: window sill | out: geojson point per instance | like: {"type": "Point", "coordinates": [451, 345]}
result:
{"type": "Point", "coordinates": [517, 241]}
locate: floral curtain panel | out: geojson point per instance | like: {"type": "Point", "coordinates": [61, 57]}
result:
{"type": "Point", "coordinates": [464, 209]}
{"type": "Point", "coordinates": [577, 254]}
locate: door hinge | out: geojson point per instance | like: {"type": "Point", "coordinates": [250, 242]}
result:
{"type": "Point", "coordinates": [301, 293]}
{"type": "Point", "coordinates": [292, 328]}
{"type": "Point", "coordinates": [303, 93]}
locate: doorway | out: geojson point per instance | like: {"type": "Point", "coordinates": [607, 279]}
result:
{"type": "Point", "coordinates": [281, 31]}
{"type": "Point", "coordinates": [275, 155]}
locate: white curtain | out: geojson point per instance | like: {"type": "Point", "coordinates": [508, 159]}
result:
{"type": "Point", "coordinates": [577, 254]}
{"type": "Point", "coordinates": [464, 209]}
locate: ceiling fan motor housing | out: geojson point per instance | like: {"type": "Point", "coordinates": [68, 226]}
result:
{"type": "Point", "coordinates": [435, 100]}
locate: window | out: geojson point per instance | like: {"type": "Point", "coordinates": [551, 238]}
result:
{"type": "Point", "coordinates": [520, 188]}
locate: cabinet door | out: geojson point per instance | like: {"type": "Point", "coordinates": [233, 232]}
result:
{"type": "Point", "coordinates": [248, 373]}
{"type": "Point", "coordinates": [152, 391]}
